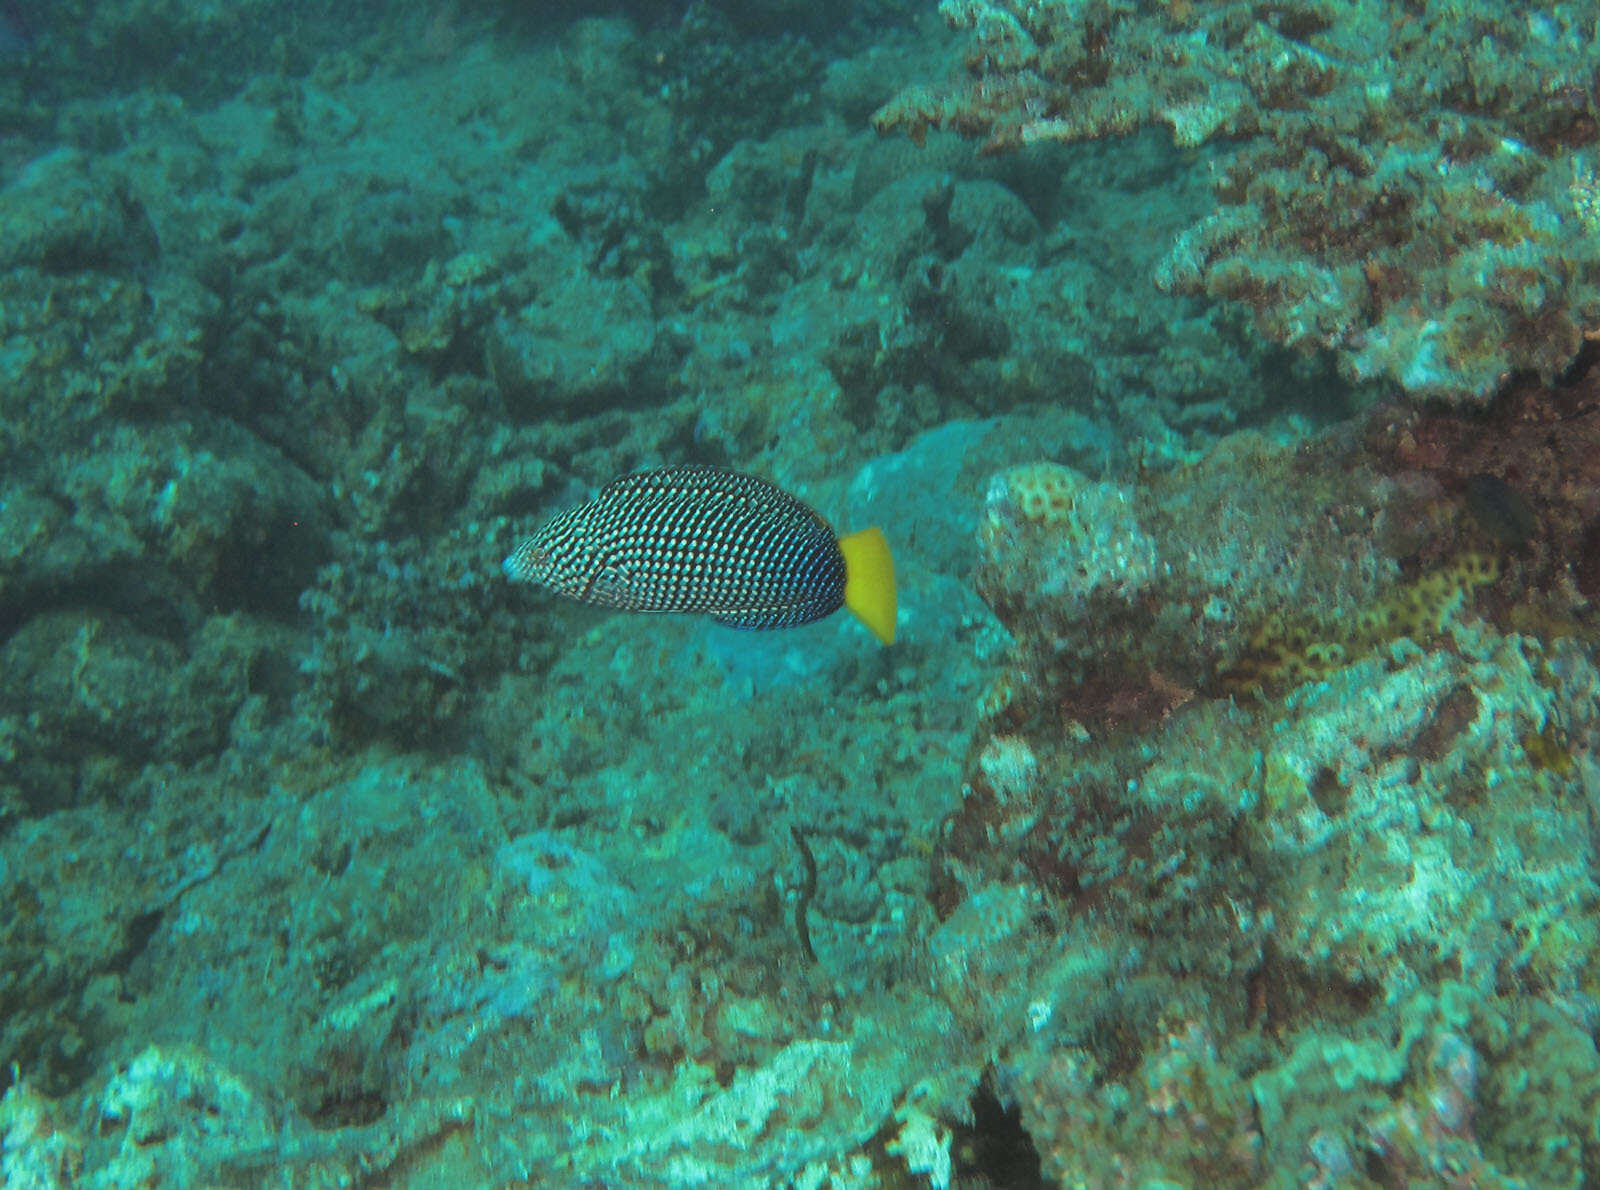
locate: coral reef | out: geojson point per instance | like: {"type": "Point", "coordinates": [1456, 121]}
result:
{"type": "Point", "coordinates": [1223, 814]}
{"type": "Point", "coordinates": [1250, 542]}
{"type": "Point", "coordinates": [1353, 904]}
{"type": "Point", "coordinates": [1410, 187]}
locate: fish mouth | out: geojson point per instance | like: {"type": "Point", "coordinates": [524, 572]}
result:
{"type": "Point", "coordinates": [526, 565]}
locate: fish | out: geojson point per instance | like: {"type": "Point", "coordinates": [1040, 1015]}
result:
{"type": "Point", "coordinates": [697, 539]}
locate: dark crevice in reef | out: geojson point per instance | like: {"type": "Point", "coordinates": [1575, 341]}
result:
{"type": "Point", "coordinates": [996, 1147]}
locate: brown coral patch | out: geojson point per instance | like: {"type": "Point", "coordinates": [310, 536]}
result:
{"type": "Point", "coordinates": [1531, 460]}
{"type": "Point", "coordinates": [1122, 702]}
{"type": "Point", "coordinates": [1283, 991]}
{"type": "Point", "coordinates": [1586, 566]}
{"type": "Point", "coordinates": [1454, 714]}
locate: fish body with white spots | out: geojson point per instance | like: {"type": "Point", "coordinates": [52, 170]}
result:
{"type": "Point", "coordinates": [706, 540]}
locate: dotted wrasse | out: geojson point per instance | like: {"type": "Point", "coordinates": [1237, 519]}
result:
{"type": "Point", "coordinates": [701, 539]}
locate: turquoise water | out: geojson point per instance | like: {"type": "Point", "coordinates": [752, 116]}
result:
{"type": "Point", "coordinates": [1223, 813]}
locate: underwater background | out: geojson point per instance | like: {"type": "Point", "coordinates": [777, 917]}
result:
{"type": "Point", "coordinates": [1222, 374]}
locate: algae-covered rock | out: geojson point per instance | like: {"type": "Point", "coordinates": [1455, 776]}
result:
{"type": "Point", "coordinates": [87, 345]}
{"type": "Point", "coordinates": [62, 215]}
{"type": "Point", "coordinates": [589, 343]}
{"type": "Point", "coordinates": [213, 507]}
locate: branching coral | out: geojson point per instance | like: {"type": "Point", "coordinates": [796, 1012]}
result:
{"type": "Point", "coordinates": [1412, 186]}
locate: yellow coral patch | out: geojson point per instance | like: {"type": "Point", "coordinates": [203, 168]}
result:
{"type": "Point", "coordinates": [1044, 493]}
{"type": "Point", "coordinates": [1282, 654]}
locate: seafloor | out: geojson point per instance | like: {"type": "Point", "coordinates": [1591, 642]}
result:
{"type": "Point", "coordinates": [1226, 813]}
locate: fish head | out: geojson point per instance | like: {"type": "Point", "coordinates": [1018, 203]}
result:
{"type": "Point", "coordinates": [528, 563]}
{"type": "Point", "coordinates": [535, 562]}
{"type": "Point", "coordinates": [551, 558]}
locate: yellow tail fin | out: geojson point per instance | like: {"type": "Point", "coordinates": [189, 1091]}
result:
{"type": "Point", "coordinates": [869, 581]}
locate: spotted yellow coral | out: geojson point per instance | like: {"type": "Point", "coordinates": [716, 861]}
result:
{"type": "Point", "coordinates": [1283, 653]}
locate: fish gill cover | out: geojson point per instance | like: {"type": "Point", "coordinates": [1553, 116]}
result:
{"type": "Point", "coordinates": [1222, 815]}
